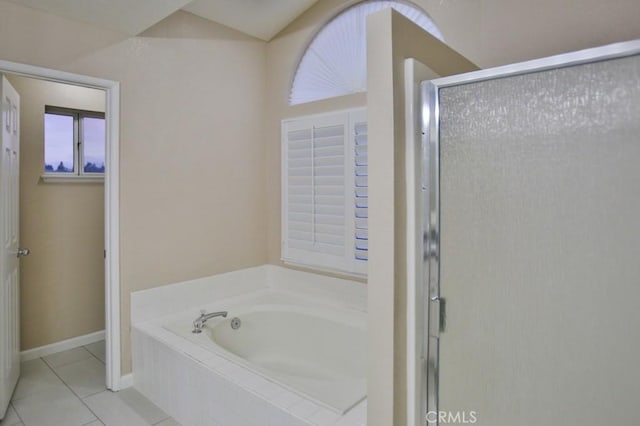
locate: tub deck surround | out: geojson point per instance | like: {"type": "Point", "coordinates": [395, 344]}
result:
{"type": "Point", "coordinates": [174, 298]}
{"type": "Point", "coordinates": [198, 381]}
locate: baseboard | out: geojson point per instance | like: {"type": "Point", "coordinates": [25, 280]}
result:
{"type": "Point", "coordinates": [62, 345]}
{"type": "Point", "coordinates": [126, 381]}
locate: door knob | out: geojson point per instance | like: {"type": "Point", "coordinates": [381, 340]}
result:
{"type": "Point", "coordinates": [23, 252]}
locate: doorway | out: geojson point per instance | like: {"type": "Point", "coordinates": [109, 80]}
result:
{"type": "Point", "coordinates": [111, 202]}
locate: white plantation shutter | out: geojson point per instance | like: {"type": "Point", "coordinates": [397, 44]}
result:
{"type": "Point", "coordinates": [360, 194]}
{"type": "Point", "coordinates": [314, 191]}
{"type": "Point", "coordinates": [319, 197]}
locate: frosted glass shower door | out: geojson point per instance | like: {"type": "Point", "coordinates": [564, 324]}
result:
{"type": "Point", "coordinates": [539, 245]}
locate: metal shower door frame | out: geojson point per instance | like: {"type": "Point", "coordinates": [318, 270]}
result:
{"type": "Point", "coordinates": [434, 306]}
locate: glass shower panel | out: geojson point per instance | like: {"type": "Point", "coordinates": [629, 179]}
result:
{"type": "Point", "coordinates": [540, 247]}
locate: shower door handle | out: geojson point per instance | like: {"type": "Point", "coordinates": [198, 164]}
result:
{"type": "Point", "coordinates": [442, 312]}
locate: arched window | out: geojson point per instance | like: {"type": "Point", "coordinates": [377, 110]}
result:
{"type": "Point", "coordinates": [335, 63]}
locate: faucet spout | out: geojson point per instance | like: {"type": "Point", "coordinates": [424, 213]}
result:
{"type": "Point", "coordinates": [198, 323]}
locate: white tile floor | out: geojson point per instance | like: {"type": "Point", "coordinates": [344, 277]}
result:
{"type": "Point", "coordinates": [67, 389]}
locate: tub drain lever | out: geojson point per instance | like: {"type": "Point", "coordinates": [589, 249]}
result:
{"type": "Point", "coordinates": [236, 323]}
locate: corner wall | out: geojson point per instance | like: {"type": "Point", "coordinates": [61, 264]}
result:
{"type": "Point", "coordinates": [391, 39]}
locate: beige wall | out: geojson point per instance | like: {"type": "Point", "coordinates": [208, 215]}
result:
{"type": "Point", "coordinates": [62, 281]}
{"type": "Point", "coordinates": [499, 32]}
{"type": "Point", "coordinates": [192, 102]}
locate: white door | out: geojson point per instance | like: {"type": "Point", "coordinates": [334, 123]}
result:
{"type": "Point", "coordinates": [9, 250]}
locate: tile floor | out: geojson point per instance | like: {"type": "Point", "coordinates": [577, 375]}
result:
{"type": "Point", "coordinates": [67, 389]}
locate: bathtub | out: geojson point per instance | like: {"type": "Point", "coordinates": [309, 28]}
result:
{"type": "Point", "coordinates": [298, 357]}
{"type": "Point", "coordinates": [316, 351]}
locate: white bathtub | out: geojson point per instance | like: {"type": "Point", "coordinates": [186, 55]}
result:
{"type": "Point", "coordinates": [316, 351]}
{"type": "Point", "coordinates": [298, 358]}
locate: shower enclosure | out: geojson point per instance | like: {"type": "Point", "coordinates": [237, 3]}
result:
{"type": "Point", "coordinates": [533, 242]}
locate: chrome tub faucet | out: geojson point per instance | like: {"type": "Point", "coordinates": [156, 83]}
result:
{"type": "Point", "coordinates": [204, 317]}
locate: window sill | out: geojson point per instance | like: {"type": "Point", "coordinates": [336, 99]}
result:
{"type": "Point", "coordinates": [72, 179]}
{"type": "Point", "coordinates": [338, 273]}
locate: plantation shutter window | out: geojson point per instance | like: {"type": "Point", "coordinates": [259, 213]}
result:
{"type": "Point", "coordinates": [361, 193]}
{"type": "Point", "coordinates": [324, 191]}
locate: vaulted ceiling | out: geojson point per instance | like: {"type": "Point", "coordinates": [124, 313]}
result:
{"type": "Point", "coordinates": [260, 18]}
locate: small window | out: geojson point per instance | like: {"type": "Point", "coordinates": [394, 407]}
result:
{"type": "Point", "coordinates": [74, 143]}
{"type": "Point", "coordinates": [325, 191]}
